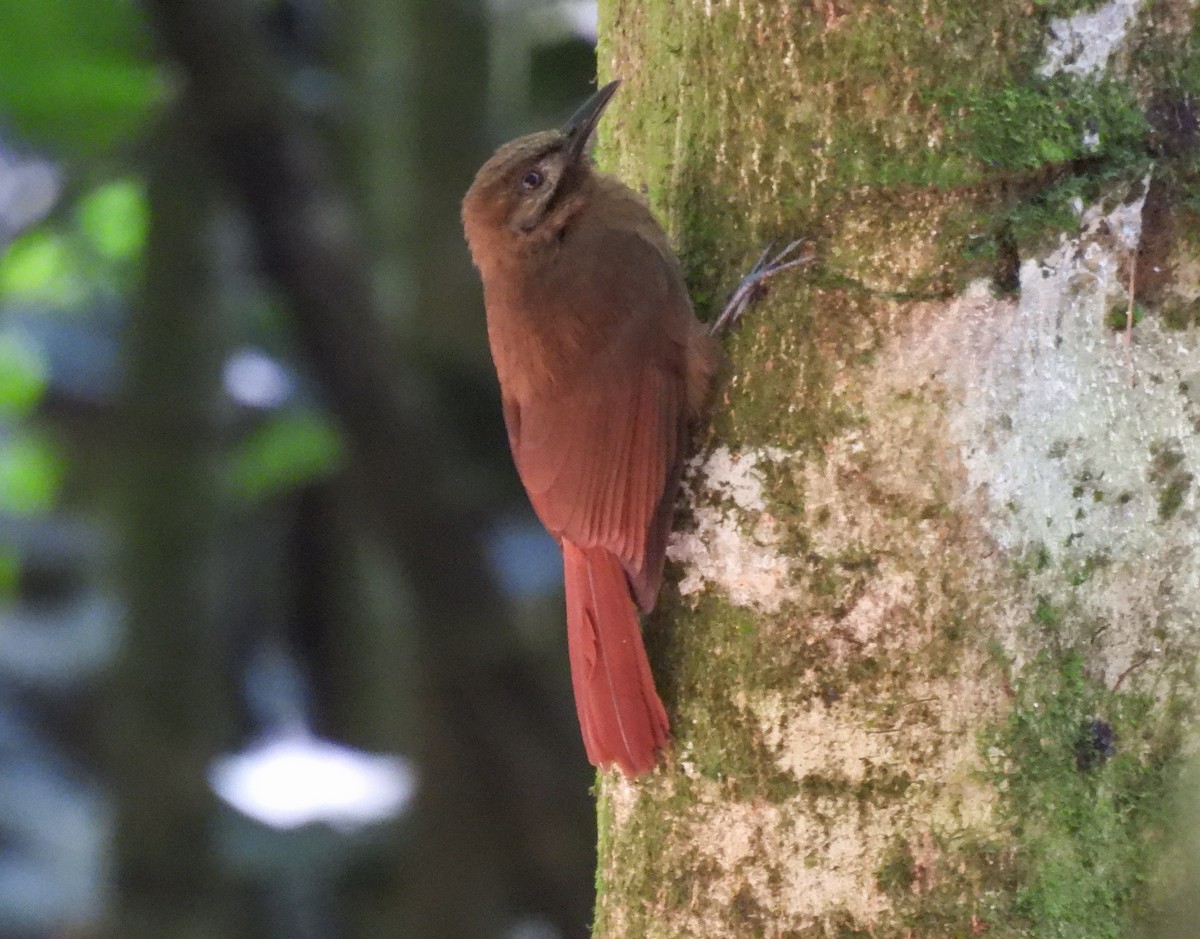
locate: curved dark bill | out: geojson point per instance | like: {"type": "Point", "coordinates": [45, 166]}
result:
{"type": "Point", "coordinates": [579, 129]}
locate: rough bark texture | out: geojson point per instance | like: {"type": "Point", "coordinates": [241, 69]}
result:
{"type": "Point", "coordinates": [931, 665]}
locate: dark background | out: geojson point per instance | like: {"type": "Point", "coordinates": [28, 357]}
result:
{"type": "Point", "coordinates": [253, 479]}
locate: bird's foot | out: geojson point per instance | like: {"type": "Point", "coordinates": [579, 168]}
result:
{"type": "Point", "coordinates": [751, 287]}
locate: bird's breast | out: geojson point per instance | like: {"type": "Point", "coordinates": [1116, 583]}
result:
{"type": "Point", "coordinates": [547, 326]}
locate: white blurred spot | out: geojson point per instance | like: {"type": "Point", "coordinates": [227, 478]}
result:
{"type": "Point", "coordinates": [28, 190]}
{"type": "Point", "coordinates": [300, 779]}
{"type": "Point", "coordinates": [549, 20]}
{"type": "Point", "coordinates": [254, 379]}
{"type": "Point", "coordinates": [534, 928]}
{"type": "Point", "coordinates": [581, 18]}
{"type": "Point", "coordinates": [525, 558]}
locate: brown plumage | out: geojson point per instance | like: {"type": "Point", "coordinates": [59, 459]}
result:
{"type": "Point", "coordinates": [602, 365]}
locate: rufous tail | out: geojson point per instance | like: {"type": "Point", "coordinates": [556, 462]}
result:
{"type": "Point", "coordinates": [620, 714]}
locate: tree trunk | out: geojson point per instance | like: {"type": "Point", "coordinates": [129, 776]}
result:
{"type": "Point", "coordinates": [168, 705]}
{"type": "Point", "coordinates": [931, 657]}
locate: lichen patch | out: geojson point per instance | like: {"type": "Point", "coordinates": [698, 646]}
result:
{"type": "Point", "coordinates": [1082, 44]}
{"type": "Point", "coordinates": [733, 543]}
{"type": "Point", "coordinates": [828, 869]}
{"type": "Point", "coordinates": [1080, 449]}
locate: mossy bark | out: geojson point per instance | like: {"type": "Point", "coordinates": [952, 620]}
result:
{"type": "Point", "coordinates": [930, 659]}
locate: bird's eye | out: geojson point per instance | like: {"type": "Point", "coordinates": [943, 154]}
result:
{"type": "Point", "coordinates": [531, 180]}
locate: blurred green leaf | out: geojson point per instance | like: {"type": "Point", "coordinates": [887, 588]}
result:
{"type": "Point", "coordinates": [115, 218]}
{"type": "Point", "coordinates": [22, 374]}
{"type": "Point", "coordinates": [288, 452]}
{"type": "Point", "coordinates": [31, 472]}
{"type": "Point", "coordinates": [75, 74]}
{"type": "Point", "coordinates": [10, 572]}
{"type": "Point", "coordinates": [42, 266]}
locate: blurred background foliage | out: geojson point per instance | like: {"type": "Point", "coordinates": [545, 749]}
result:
{"type": "Point", "coordinates": [254, 488]}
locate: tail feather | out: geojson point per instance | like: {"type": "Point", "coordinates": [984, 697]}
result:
{"type": "Point", "coordinates": [620, 714]}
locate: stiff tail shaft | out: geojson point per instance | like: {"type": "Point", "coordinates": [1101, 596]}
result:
{"type": "Point", "coordinates": [620, 714]}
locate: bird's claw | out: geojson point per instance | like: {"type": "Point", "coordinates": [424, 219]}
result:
{"type": "Point", "coordinates": [751, 286]}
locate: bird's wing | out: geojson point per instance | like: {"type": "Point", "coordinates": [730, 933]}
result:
{"type": "Point", "coordinates": [597, 467]}
{"type": "Point", "coordinates": [600, 453]}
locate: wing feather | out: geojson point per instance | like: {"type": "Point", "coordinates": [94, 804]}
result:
{"type": "Point", "coordinates": [599, 447]}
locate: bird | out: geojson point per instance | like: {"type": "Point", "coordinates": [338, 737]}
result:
{"type": "Point", "coordinates": [603, 369]}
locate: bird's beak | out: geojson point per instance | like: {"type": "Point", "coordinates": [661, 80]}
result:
{"type": "Point", "coordinates": [582, 125]}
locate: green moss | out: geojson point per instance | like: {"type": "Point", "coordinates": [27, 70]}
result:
{"type": "Point", "coordinates": [1168, 473]}
{"type": "Point", "coordinates": [1010, 151]}
{"type": "Point", "coordinates": [1057, 142]}
{"type": "Point", "coordinates": [1087, 836]}
{"type": "Point", "coordinates": [1062, 8]}
{"type": "Point", "coordinates": [883, 784]}
{"type": "Point", "coordinates": [713, 732]}
{"type": "Point", "coordinates": [896, 875]}
{"type": "Point", "coordinates": [1047, 614]}
{"type": "Point", "coordinates": [719, 648]}
{"type": "Point", "coordinates": [1079, 572]}
{"type": "Point", "coordinates": [748, 915]}
{"type": "Point", "coordinates": [642, 857]}
{"type": "Point", "coordinates": [604, 832]}
{"type": "Point", "coordinates": [1040, 121]}
{"type": "Point", "coordinates": [1170, 497]}
{"type": "Point", "coordinates": [917, 157]}
{"type": "Point", "coordinates": [1082, 834]}
{"type": "Point", "coordinates": [949, 888]}
{"type": "Point", "coordinates": [1180, 316]}
{"type": "Point", "coordinates": [1035, 559]}
{"type": "Point", "coordinates": [1117, 318]}
{"type": "Point", "coordinates": [685, 142]}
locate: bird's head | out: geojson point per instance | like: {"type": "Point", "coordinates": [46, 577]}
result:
{"type": "Point", "coordinates": [529, 180]}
